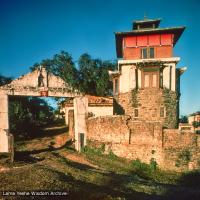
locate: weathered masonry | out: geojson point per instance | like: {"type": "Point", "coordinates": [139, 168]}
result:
{"type": "Point", "coordinates": [146, 90]}
{"type": "Point", "coordinates": [40, 83]}
{"type": "Point", "coordinates": [147, 81]}
{"type": "Point", "coordinates": [171, 149]}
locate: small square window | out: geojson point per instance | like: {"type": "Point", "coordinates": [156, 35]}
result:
{"type": "Point", "coordinates": [147, 53]}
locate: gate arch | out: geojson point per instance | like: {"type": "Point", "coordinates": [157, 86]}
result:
{"type": "Point", "coordinates": [38, 83]}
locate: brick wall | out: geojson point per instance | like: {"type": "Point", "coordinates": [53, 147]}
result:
{"type": "Point", "coordinates": [125, 137]}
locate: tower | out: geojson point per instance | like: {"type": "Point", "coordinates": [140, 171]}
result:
{"type": "Point", "coordinates": [146, 84]}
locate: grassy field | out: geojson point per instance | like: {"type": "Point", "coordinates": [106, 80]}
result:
{"type": "Point", "coordinates": [46, 163]}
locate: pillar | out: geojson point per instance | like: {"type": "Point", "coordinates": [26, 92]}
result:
{"type": "Point", "coordinates": [71, 124]}
{"type": "Point", "coordinates": [80, 114]}
{"type": "Point", "coordinates": [4, 124]}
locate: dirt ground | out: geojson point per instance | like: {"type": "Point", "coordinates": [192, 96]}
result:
{"type": "Point", "coordinates": [49, 163]}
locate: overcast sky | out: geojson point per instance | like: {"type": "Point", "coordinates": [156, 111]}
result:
{"type": "Point", "coordinates": [32, 30]}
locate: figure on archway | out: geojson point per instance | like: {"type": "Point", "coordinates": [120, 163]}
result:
{"type": "Point", "coordinates": [40, 80]}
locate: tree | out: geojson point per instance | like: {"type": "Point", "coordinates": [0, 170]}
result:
{"type": "Point", "coordinates": [61, 65]}
{"type": "Point", "coordinates": [27, 114]}
{"type": "Point", "coordinates": [183, 119]}
{"type": "Point", "coordinates": [88, 73]}
{"type": "Point", "coordinates": [196, 124]}
{"type": "Point", "coordinates": [4, 80]}
{"type": "Point", "coordinates": [90, 77]}
{"type": "Point", "coordinates": [93, 75]}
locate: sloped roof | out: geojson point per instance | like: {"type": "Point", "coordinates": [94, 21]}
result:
{"type": "Point", "coordinates": [156, 22]}
{"type": "Point", "coordinates": [177, 31]}
{"type": "Point", "coordinates": [93, 101]}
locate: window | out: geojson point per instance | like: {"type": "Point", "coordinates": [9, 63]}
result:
{"type": "Point", "coordinates": [151, 52]}
{"type": "Point", "coordinates": [136, 112]}
{"type": "Point", "coordinates": [144, 53]}
{"type": "Point", "coordinates": [162, 111]}
{"type": "Point", "coordinates": [147, 53]}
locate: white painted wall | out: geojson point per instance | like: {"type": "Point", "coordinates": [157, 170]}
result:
{"type": "Point", "coordinates": [124, 78]}
{"type": "Point", "coordinates": [127, 78]}
{"type": "Point", "coordinates": [191, 119]}
{"type": "Point", "coordinates": [4, 123]}
{"type": "Point", "coordinates": [96, 110]}
{"type": "Point", "coordinates": [80, 112]}
{"type": "Point", "coordinates": [173, 77]}
{"type": "Point", "coordinates": [166, 76]}
{"type": "Point", "coordinates": [132, 80]}
{"type": "Point", "coordinates": [101, 110]}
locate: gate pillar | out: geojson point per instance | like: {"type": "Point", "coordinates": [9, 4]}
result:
{"type": "Point", "coordinates": [4, 124]}
{"type": "Point", "coordinates": [80, 115]}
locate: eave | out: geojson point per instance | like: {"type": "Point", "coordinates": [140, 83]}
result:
{"type": "Point", "coordinates": [177, 31]}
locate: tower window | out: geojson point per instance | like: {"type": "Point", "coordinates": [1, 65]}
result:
{"type": "Point", "coordinates": [136, 114]}
{"type": "Point", "coordinates": [144, 53]}
{"type": "Point", "coordinates": [162, 111]}
{"type": "Point", "coordinates": [151, 52]}
{"type": "Point", "coordinates": [147, 52]}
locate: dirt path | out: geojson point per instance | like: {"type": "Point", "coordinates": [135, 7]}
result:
{"type": "Point", "coordinates": [56, 142]}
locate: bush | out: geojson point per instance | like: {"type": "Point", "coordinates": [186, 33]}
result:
{"type": "Point", "coordinates": [142, 169]}
{"type": "Point", "coordinates": [184, 158]}
{"type": "Point", "coordinates": [112, 155]}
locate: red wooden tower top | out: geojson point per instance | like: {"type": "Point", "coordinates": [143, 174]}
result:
{"type": "Point", "coordinates": [147, 40]}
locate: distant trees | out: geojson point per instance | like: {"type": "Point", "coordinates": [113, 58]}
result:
{"type": "Point", "coordinates": [183, 119]}
{"type": "Point", "coordinates": [196, 124]}
{"type": "Point", "coordinates": [27, 114]}
{"type": "Point", "coordinates": [4, 80]}
{"type": "Point", "coordinates": [90, 76]}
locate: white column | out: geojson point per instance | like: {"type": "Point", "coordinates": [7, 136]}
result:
{"type": "Point", "coordinates": [132, 78]}
{"type": "Point", "coordinates": [80, 114]}
{"type": "Point", "coordinates": [4, 123]}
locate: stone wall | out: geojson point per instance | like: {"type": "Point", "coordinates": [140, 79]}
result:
{"type": "Point", "coordinates": [149, 102]}
{"type": "Point", "coordinates": [181, 149]}
{"type": "Point", "coordinates": [125, 137]}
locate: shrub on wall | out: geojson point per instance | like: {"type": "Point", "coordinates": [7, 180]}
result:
{"type": "Point", "coordinates": [184, 158]}
{"type": "Point", "coordinates": [134, 98]}
{"type": "Point", "coordinates": [171, 104]}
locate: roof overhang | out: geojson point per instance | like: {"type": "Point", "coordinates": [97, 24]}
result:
{"type": "Point", "coordinates": [146, 21]}
{"type": "Point", "coordinates": [161, 60]}
{"type": "Point", "coordinates": [177, 31]}
{"type": "Point", "coordinates": [182, 70]}
{"type": "Point", "coordinates": [113, 74]}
